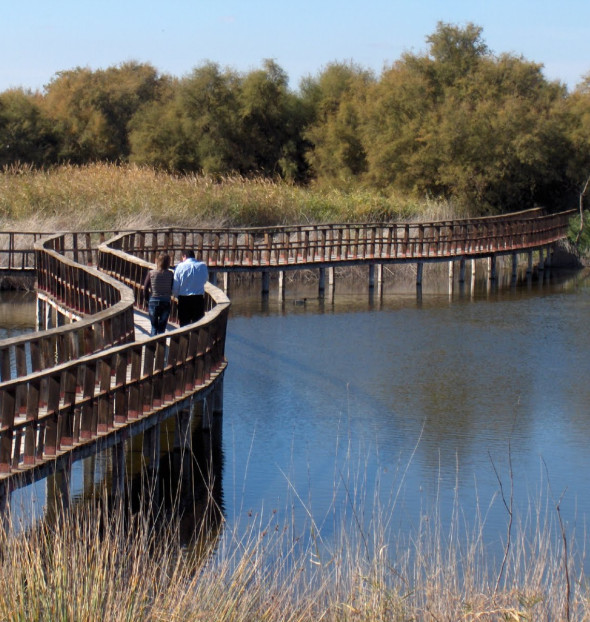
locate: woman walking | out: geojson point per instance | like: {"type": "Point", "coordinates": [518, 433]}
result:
{"type": "Point", "coordinates": [157, 289]}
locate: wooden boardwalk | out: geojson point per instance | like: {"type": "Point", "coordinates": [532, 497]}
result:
{"type": "Point", "coordinates": [95, 376]}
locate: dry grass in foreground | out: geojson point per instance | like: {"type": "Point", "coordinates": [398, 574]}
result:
{"type": "Point", "coordinates": [92, 567]}
{"type": "Point", "coordinates": [102, 196]}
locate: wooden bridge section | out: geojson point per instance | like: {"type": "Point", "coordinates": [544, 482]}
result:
{"type": "Point", "coordinates": [88, 383]}
{"type": "Point", "coordinates": [278, 249]}
{"type": "Point", "coordinates": [87, 380]}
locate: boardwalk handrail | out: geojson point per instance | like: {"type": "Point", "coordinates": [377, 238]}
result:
{"type": "Point", "coordinates": [17, 252]}
{"type": "Point", "coordinates": [77, 402]}
{"type": "Point", "coordinates": [299, 245]}
{"type": "Point", "coordinates": [101, 310]}
{"type": "Point", "coordinates": [17, 248]}
{"type": "Point", "coordinates": [73, 403]}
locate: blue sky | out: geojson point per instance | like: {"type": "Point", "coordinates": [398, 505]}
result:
{"type": "Point", "coordinates": [41, 37]}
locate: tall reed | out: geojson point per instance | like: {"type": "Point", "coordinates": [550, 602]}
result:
{"type": "Point", "coordinates": [103, 196]}
{"type": "Point", "coordinates": [103, 565]}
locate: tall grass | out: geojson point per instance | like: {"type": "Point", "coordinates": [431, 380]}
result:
{"type": "Point", "coordinates": [99, 565]}
{"type": "Point", "coordinates": [103, 196]}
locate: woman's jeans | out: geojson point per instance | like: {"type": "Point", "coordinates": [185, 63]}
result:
{"type": "Point", "coordinates": [159, 311]}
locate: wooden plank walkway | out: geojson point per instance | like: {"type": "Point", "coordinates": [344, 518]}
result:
{"type": "Point", "coordinates": [143, 326]}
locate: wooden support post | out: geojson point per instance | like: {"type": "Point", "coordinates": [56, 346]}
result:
{"type": "Point", "coordinates": [371, 276]}
{"type": "Point", "coordinates": [265, 282]}
{"type": "Point", "coordinates": [213, 277]}
{"type": "Point", "coordinates": [88, 478]}
{"type": "Point", "coordinates": [548, 256]}
{"type": "Point", "coordinates": [151, 454]}
{"type": "Point", "coordinates": [226, 282]}
{"type": "Point", "coordinates": [419, 269]}
{"type": "Point", "coordinates": [514, 267]}
{"type": "Point", "coordinates": [183, 447]}
{"type": "Point", "coordinates": [118, 469]}
{"type": "Point", "coordinates": [529, 269]}
{"type": "Point", "coordinates": [331, 276]}
{"type": "Point", "coordinates": [48, 316]}
{"type": "Point", "coordinates": [206, 413]}
{"type": "Point", "coordinates": [541, 265]}
{"type": "Point", "coordinates": [462, 270]}
{"type": "Point", "coordinates": [451, 277]}
{"type": "Point", "coordinates": [40, 314]}
{"type": "Point", "coordinates": [5, 504]}
{"type": "Point", "coordinates": [282, 285]}
{"type": "Point", "coordinates": [379, 268]}
{"type": "Point", "coordinates": [322, 280]}
{"type": "Point", "coordinates": [492, 267]}
{"type": "Point", "coordinates": [58, 493]}
{"type": "Point", "coordinates": [182, 430]}
{"type": "Point", "coordinates": [64, 477]}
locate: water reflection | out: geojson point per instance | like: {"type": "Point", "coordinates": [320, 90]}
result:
{"type": "Point", "coordinates": [175, 479]}
{"type": "Point", "coordinates": [17, 313]}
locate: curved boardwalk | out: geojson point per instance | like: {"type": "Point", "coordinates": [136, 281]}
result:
{"type": "Point", "coordinates": [92, 379]}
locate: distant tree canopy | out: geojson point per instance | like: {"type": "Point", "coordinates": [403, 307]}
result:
{"type": "Point", "coordinates": [486, 131]}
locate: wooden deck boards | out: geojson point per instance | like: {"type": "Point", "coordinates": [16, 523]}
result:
{"type": "Point", "coordinates": [143, 325]}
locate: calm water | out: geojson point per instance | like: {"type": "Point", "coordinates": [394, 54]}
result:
{"type": "Point", "coordinates": [411, 400]}
{"type": "Point", "coordinates": [415, 401]}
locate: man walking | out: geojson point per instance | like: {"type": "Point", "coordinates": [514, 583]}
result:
{"type": "Point", "coordinates": [190, 277]}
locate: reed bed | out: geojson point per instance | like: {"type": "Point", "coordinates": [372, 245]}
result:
{"type": "Point", "coordinates": [89, 564]}
{"type": "Point", "coordinates": [105, 196]}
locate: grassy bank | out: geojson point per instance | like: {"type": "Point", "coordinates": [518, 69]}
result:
{"type": "Point", "coordinates": [93, 566]}
{"type": "Point", "coordinates": [101, 196]}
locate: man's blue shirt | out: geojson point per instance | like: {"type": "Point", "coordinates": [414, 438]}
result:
{"type": "Point", "coordinates": [190, 277]}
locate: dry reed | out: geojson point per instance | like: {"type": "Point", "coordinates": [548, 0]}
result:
{"type": "Point", "coordinates": [93, 565]}
{"type": "Point", "coordinates": [104, 196]}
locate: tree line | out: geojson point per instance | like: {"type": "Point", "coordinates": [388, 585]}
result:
{"type": "Point", "coordinates": [488, 132]}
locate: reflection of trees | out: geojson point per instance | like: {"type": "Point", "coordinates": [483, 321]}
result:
{"type": "Point", "coordinates": [459, 379]}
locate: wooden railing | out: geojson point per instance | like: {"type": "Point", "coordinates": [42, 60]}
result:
{"type": "Point", "coordinates": [17, 248]}
{"type": "Point", "coordinates": [267, 247]}
{"type": "Point", "coordinates": [60, 398]}
{"type": "Point", "coordinates": [81, 400]}
{"type": "Point", "coordinates": [100, 307]}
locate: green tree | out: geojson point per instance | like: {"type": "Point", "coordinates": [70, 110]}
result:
{"type": "Point", "coordinates": [270, 123]}
{"type": "Point", "coordinates": [577, 109]}
{"type": "Point", "coordinates": [208, 105]}
{"type": "Point", "coordinates": [157, 137]}
{"type": "Point", "coordinates": [93, 109]}
{"type": "Point", "coordinates": [26, 135]}
{"type": "Point", "coordinates": [334, 100]}
{"type": "Point", "coordinates": [465, 125]}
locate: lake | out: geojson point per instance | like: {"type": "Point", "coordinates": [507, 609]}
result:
{"type": "Point", "coordinates": [413, 404]}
